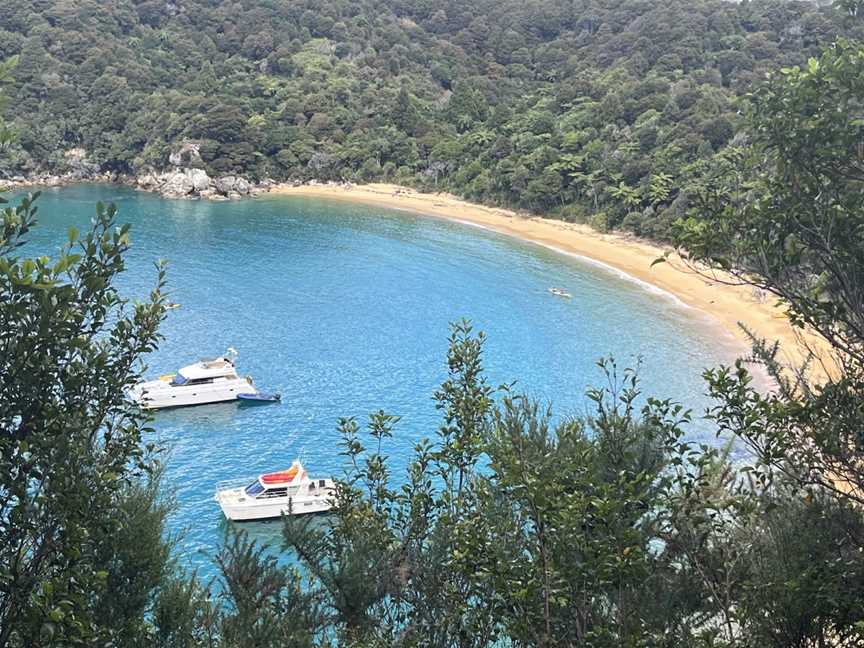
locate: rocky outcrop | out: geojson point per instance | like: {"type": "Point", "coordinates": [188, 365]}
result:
{"type": "Point", "coordinates": [79, 166]}
{"type": "Point", "coordinates": [181, 182]}
{"type": "Point", "coordinates": [199, 179]}
{"type": "Point", "coordinates": [195, 183]}
{"type": "Point", "coordinates": [45, 179]}
{"type": "Point", "coordinates": [187, 154]}
{"type": "Point", "coordinates": [225, 184]}
{"type": "Point", "coordinates": [76, 167]}
{"type": "Point", "coordinates": [147, 182]}
{"type": "Point", "coordinates": [242, 187]}
{"type": "Point", "coordinates": [177, 185]}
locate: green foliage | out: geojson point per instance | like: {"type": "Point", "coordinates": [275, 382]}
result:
{"type": "Point", "coordinates": [265, 605]}
{"type": "Point", "coordinates": [803, 589]}
{"type": "Point", "coordinates": [137, 559]}
{"type": "Point", "coordinates": [539, 106]}
{"type": "Point", "coordinates": [600, 222]}
{"type": "Point", "coordinates": [183, 615]}
{"type": "Point", "coordinates": [567, 518]}
{"type": "Point", "coordinates": [785, 215]}
{"type": "Point", "coordinates": [603, 531]}
{"type": "Point", "coordinates": [6, 133]}
{"type": "Point", "coordinates": [76, 483]}
{"type": "Point", "coordinates": [802, 208]}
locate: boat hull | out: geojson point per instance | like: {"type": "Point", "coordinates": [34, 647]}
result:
{"type": "Point", "coordinates": [161, 394]}
{"type": "Point", "coordinates": [258, 513]}
{"type": "Point", "coordinates": [237, 506]}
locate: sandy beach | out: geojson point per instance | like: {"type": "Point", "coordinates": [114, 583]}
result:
{"type": "Point", "coordinates": [726, 305]}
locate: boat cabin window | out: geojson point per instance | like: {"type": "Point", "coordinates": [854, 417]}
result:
{"type": "Point", "coordinates": [254, 488]}
{"type": "Point", "coordinates": [274, 492]}
{"type": "Point", "coordinates": [186, 382]}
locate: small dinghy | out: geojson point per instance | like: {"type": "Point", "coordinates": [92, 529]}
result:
{"type": "Point", "coordinates": [560, 292]}
{"type": "Point", "coordinates": [258, 398]}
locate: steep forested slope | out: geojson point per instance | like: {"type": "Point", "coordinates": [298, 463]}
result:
{"type": "Point", "coordinates": [593, 109]}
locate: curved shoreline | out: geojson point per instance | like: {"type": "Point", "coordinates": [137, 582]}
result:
{"type": "Point", "coordinates": [728, 306]}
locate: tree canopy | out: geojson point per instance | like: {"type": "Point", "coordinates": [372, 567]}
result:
{"type": "Point", "coordinates": [784, 213]}
{"type": "Point", "coordinates": [510, 526]}
{"type": "Point", "coordinates": [593, 110]}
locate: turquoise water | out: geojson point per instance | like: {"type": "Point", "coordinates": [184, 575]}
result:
{"type": "Point", "coordinates": [345, 309]}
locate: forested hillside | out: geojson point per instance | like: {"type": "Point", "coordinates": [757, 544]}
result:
{"type": "Point", "coordinates": [594, 110]}
{"type": "Point", "coordinates": [511, 526]}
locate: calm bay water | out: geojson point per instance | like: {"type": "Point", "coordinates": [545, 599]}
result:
{"type": "Point", "coordinates": [346, 311]}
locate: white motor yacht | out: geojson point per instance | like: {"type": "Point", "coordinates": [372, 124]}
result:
{"type": "Point", "coordinates": [289, 492]}
{"type": "Point", "coordinates": [206, 381]}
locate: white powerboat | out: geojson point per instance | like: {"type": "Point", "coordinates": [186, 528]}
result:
{"type": "Point", "coordinates": [206, 381]}
{"type": "Point", "coordinates": [289, 492]}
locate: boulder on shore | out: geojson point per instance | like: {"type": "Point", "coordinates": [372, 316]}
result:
{"type": "Point", "coordinates": [199, 179]}
{"type": "Point", "coordinates": [242, 186]}
{"type": "Point", "coordinates": [148, 181]}
{"type": "Point", "coordinates": [176, 185]}
{"type": "Point", "coordinates": [225, 184]}
{"type": "Point", "coordinates": [195, 183]}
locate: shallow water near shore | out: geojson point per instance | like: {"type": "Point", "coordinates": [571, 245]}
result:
{"type": "Point", "coordinates": [344, 309]}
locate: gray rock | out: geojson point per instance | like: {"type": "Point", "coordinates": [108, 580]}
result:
{"type": "Point", "coordinates": [187, 153]}
{"type": "Point", "coordinates": [177, 184]}
{"type": "Point", "coordinates": [199, 179]}
{"type": "Point", "coordinates": [242, 186]}
{"type": "Point", "coordinates": [148, 181]}
{"type": "Point", "coordinates": [194, 183]}
{"type": "Point", "coordinates": [80, 167]}
{"type": "Point", "coordinates": [225, 184]}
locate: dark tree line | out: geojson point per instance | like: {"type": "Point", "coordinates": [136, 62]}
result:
{"type": "Point", "coordinates": [592, 110]}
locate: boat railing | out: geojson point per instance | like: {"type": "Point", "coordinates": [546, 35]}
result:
{"type": "Point", "coordinates": [234, 483]}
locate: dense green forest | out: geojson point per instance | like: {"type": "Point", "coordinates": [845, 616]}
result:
{"type": "Point", "coordinates": [593, 110]}
{"type": "Point", "coordinates": [507, 529]}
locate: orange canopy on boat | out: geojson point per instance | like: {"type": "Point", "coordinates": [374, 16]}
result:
{"type": "Point", "coordinates": [283, 476]}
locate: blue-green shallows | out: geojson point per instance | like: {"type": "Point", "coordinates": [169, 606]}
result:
{"type": "Point", "coordinates": [344, 310]}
